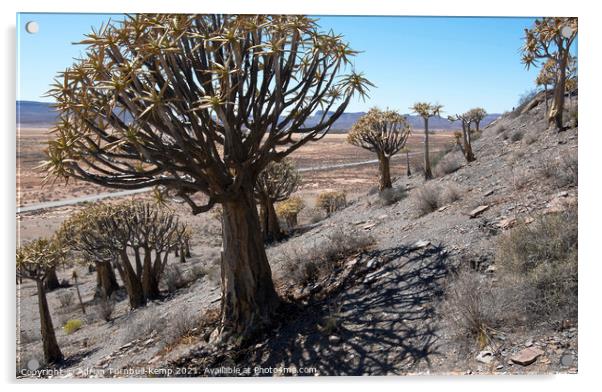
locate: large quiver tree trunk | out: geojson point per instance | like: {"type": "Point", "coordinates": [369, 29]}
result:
{"type": "Point", "coordinates": [384, 180]}
{"type": "Point", "coordinates": [248, 296]}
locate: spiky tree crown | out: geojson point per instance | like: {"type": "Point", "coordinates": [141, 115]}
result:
{"type": "Point", "coordinates": [290, 207]}
{"type": "Point", "coordinates": [426, 109]}
{"type": "Point", "coordinates": [476, 114]}
{"type": "Point", "coordinates": [197, 103]}
{"type": "Point", "coordinates": [101, 231]}
{"type": "Point", "coordinates": [36, 258]}
{"type": "Point", "coordinates": [380, 131]}
{"type": "Point", "coordinates": [277, 181]}
{"type": "Point", "coordinates": [546, 38]}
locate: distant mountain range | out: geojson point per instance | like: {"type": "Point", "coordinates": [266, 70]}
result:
{"type": "Point", "coordinates": [41, 114]}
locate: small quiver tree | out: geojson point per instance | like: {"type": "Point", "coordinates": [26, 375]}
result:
{"type": "Point", "coordinates": [331, 201]}
{"type": "Point", "coordinates": [465, 119]}
{"type": "Point", "coordinates": [477, 115]}
{"type": "Point", "coordinates": [34, 261]}
{"type": "Point", "coordinates": [183, 251]}
{"type": "Point", "coordinates": [198, 105]}
{"type": "Point", "coordinates": [427, 110]}
{"type": "Point", "coordinates": [551, 39]}
{"type": "Point", "coordinates": [384, 133]}
{"type": "Point", "coordinates": [78, 237]}
{"type": "Point", "coordinates": [290, 209]}
{"type": "Point", "coordinates": [275, 184]}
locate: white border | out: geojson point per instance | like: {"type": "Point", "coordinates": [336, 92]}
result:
{"type": "Point", "coordinates": [590, 193]}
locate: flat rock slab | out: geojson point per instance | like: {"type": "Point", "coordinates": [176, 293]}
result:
{"type": "Point", "coordinates": [478, 211]}
{"type": "Point", "coordinates": [527, 356]}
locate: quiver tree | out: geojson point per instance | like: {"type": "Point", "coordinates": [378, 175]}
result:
{"type": "Point", "coordinates": [331, 201]}
{"type": "Point", "coordinates": [427, 110]}
{"type": "Point", "coordinates": [200, 104]}
{"type": "Point", "coordinates": [183, 251]}
{"type": "Point", "coordinates": [34, 261]}
{"type": "Point", "coordinates": [465, 119]}
{"type": "Point", "coordinates": [275, 184]}
{"type": "Point", "coordinates": [75, 238]}
{"type": "Point", "coordinates": [551, 38]}
{"type": "Point", "coordinates": [545, 78]}
{"type": "Point", "coordinates": [137, 237]}
{"type": "Point", "coordinates": [290, 209]}
{"type": "Point", "coordinates": [384, 133]}
{"type": "Point", "coordinates": [477, 115]}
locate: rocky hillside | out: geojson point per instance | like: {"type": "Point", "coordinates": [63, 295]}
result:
{"type": "Point", "coordinates": [397, 306]}
{"type": "Point", "coordinates": [414, 281]}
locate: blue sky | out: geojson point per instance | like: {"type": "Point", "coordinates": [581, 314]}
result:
{"type": "Point", "coordinates": [458, 62]}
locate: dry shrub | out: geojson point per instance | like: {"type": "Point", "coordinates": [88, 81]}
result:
{"type": "Point", "coordinates": [521, 177]}
{"type": "Point", "coordinates": [173, 278]}
{"type": "Point", "coordinates": [142, 323]}
{"type": "Point", "coordinates": [451, 193]}
{"type": "Point", "coordinates": [530, 138]}
{"type": "Point", "coordinates": [431, 197]}
{"type": "Point", "coordinates": [29, 337]}
{"type": "Point", "coordinates": [393, 195]}
{"type": "Point", "coordinates": [448, 164]}
{"type": "Point", "coordinates": [475, 307]}
{"type": "Point", "coordinates": [500, 129]}
{"type": "Point", "coordinates": [517, 136]}
{"type": "Point", "coordinates": [306, 264]}
{"type": "Point", "coordinates": [427, 199]}
{"type": "Point", "coordinates": [541, 259]}
{"type": "Point", "coordinates": [180, 326]}
{"type": "Point", "coordinates": [104, 309]}
{"type": "Point", "coordinates": [65, 298]}
{"type": "Point", "coordinates": [568, 170]}
{"type": "Point", "coordinates": [314, 215]}
{"type": "Point", "coordinates": [562, 171]}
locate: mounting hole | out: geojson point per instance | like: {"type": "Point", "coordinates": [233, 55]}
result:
{"type": "Point", "coordinates": [32, 27]}
{"type": "Point", "coordinates": [566, 32]}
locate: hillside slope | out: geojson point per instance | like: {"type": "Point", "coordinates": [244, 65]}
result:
{"type": "Point", "coordinates": [380, 311]}
{"type": "Point", "coordinates": [366, 290]}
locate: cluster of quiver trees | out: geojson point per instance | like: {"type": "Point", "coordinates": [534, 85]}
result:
{"type": "Point", "coordinates": [200, 105]}
{"type": "Point", "coordinates": [133, 238]}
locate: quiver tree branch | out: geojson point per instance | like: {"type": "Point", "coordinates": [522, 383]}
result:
{"type": "Point", "coordinates": [201, 104]}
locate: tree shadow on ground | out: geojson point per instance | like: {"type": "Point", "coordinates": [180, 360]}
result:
{"type": "Point", "coordinates": [381, 321]}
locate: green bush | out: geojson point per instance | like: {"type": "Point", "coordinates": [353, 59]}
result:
{"type": "Point", "coordinates": [72, 326]}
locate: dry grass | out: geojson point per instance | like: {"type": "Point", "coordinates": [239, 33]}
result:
{"type": "Point", "coordinates": [561, 171]}
{"type": "Point", "coordinates": [142, 323]}
{"type": "Point", "coordinates": [305, 265]}
{"type": "Point", "coordinates": [65, 298]}
{"type": "Point", "coordinates": [475, 307]}
{"type": "Point", "coordinates": [430, 197]}
{"type": "Point", "coordinates": [517, 136]}
{"type": "Point", "coordinates": [393, 195]}
{"type": "Point", "coordinates": [541, 259]}
{"type": "Point", "coordinates": [449, 164]}
{"type": "Point", "coordinates": [104, 309]}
